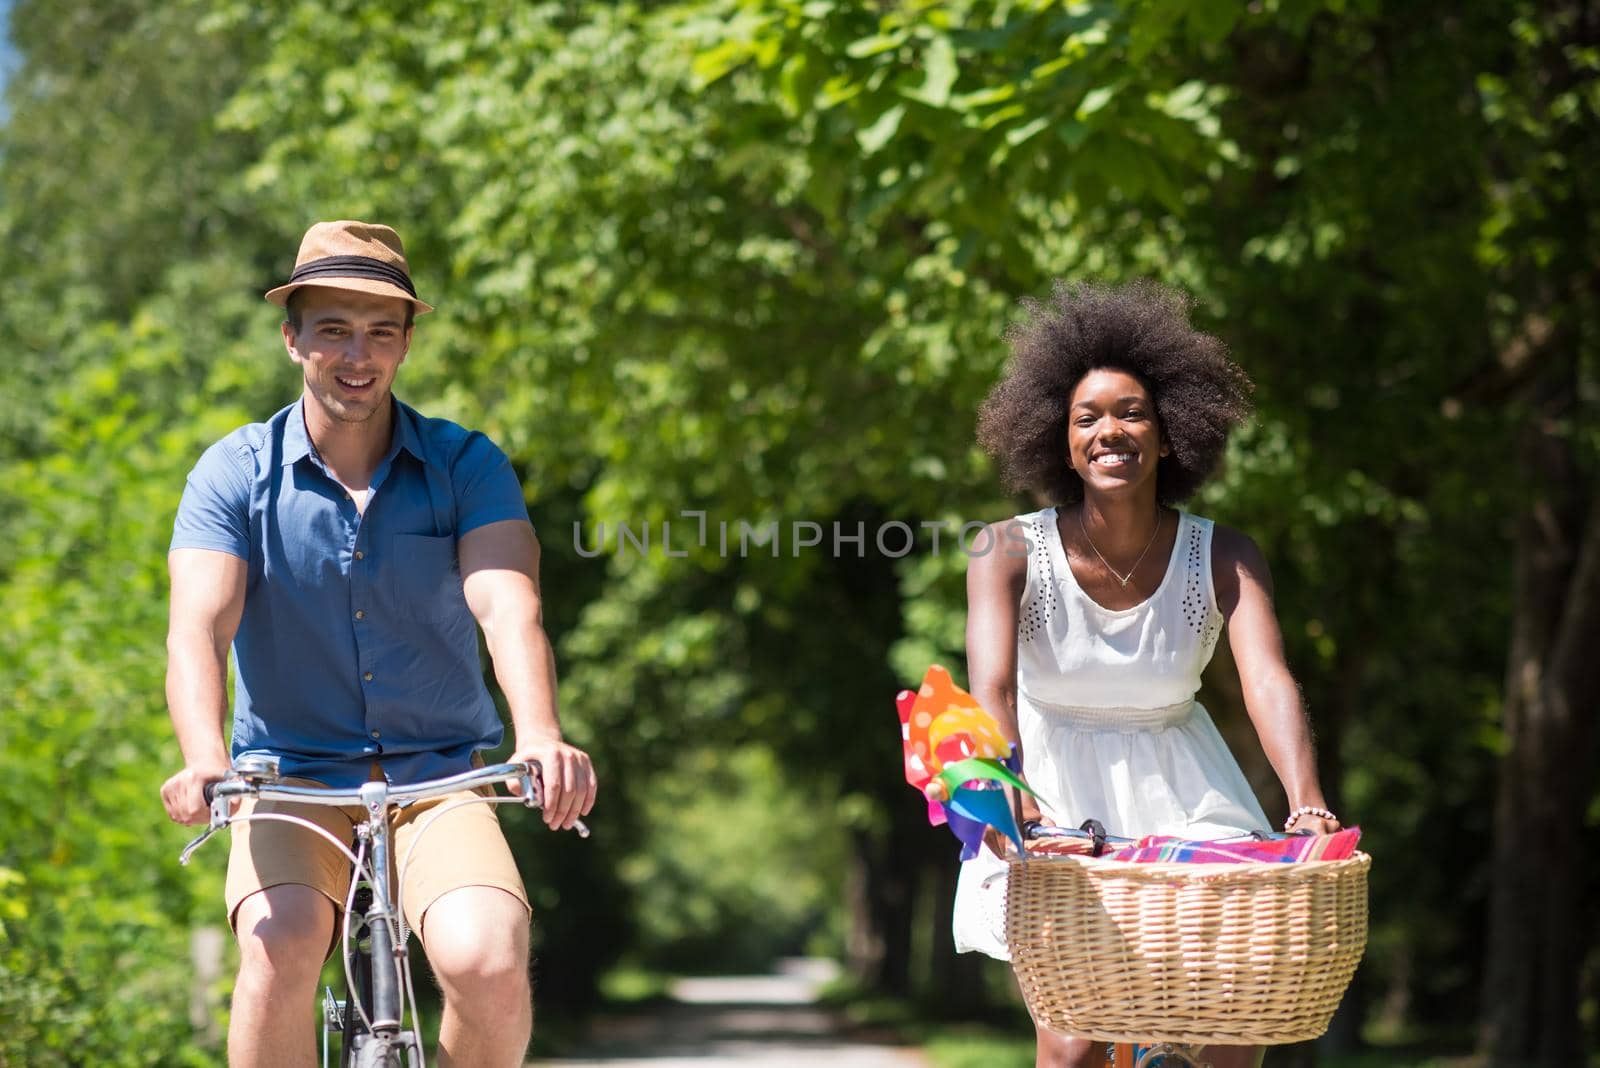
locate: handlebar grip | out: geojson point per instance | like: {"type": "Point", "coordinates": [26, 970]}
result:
{"type": "Point", "coordinates": [1097, 834]}
{"type": "Point", "coordinates": [210, 791]}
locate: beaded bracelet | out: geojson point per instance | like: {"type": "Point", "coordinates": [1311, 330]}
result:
{"type": "Point", "coordinates": [1308, 810]}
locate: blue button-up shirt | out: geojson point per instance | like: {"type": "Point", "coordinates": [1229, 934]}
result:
{"type": "Point", "coordinates": [356, 644]}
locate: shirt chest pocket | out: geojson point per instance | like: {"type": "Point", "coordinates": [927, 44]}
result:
{"type": "Point", "coordinates": [424, 577]}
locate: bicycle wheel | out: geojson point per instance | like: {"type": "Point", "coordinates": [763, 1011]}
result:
{"type": "Point", "coordinates": [362, 1048]}
{"type": "Point", "coordinates": [352, 1034]}
{"type": "Point", "coordinates": [358, 956]}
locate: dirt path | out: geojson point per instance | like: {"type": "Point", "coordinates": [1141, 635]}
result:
{"type": "Point", "coordinates": [766, 1020]}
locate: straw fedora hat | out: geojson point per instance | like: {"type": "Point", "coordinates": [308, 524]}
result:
{"type": "Point", "coordinates": [365, 257]}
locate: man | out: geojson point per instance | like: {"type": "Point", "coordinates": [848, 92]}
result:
{"type": "Point", "coordinates": [344, 549]}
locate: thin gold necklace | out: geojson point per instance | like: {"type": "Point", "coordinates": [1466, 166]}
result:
{"type": "Point", "coordinates": [1124, 579]}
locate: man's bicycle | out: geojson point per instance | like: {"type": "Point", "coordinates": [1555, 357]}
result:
{"type": "Point", "coordinates": [371, 1020]}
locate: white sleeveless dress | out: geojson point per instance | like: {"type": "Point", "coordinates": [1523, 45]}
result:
{"type": "Point", "coordinates": [1109, 725]}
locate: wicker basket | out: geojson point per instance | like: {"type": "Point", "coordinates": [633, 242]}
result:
{"type": "Point", "coordinates": [1241, 954]}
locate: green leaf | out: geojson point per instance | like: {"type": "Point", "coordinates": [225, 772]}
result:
{"type": "Point", "coordinates": [717, 63]}
{"type": "Point", "coordinates": [837, 90]}
{"type": "Point", "coordinates": [792, 84]}
{"type": "Point", "coordinates": [1016, 135]}
{"type": "Point", "coordinates": [940, 63]}
{"type": "Point", "coordinates": [875, 45]}
{"type": "Point", "coordinates": [983, 97]}
{"type": "Point", "coordinates": [874, 137]}
{"type": "Point", "coordinates": [1002, 115]}
{"type": "Point", "coordinates": [1094, 100]}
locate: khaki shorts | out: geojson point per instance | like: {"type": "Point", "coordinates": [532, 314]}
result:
{"type": "Point", "coordinates": [464, 847]}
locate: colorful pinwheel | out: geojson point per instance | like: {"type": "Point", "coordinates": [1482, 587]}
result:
{"type": "Point", "coordinates": [957, 757]}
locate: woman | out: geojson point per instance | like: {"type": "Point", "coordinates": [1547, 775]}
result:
{"type": "Point", "coordinates": [1088, 622]}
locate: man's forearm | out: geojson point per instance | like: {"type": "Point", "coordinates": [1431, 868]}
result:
{"type": "Point", "coordinates": [197, 696]}
{"type": "Point", "coordinates": [524, 664]}
{"type": "Point", "coordinates": [525, 667]}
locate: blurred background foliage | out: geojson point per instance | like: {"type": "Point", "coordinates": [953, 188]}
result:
{"type": "Point", "coordinates": [754, 259]}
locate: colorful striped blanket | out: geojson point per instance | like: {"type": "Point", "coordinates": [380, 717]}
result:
{"type": "Point", "coordinates": [1294, 849]}
{"type": "Point", "coordinates": [1160, 847]}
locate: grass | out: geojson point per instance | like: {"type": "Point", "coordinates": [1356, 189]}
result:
{"type": "Point", "coordinates": [1003, 1042]}
{"type": "Point", "coordinates": [981, 1046]}
{"type": "Point", "coordinates": [625, 985]}
{"type": "Point", "coordinates": [1004, 1039]}
{"type": "Point", "coordinates": [977, 1046]}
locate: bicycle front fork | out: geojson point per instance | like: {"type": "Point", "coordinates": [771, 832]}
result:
{"type": "Point", "coordinates": [359, 1047]}
{"type": "Point", "coordinates": [1160, 1055]}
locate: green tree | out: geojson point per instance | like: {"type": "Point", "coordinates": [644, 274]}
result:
{"type": "Point", "coordinates": [1395, 285]}
{"type": "Point", "coordinates": [753, 259]}
{"type": "Point", "coordinates": [111, 238]}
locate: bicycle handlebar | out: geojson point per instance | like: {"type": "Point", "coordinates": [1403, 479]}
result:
{"type": "Point", "coordinates": [1092, 831]}
{"type": "Point", "coordinates": [528, 773]}
{"type": "Point", "coordinates": [372, 796]}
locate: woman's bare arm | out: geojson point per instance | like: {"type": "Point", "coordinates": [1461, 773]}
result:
{"type": "Point", "coordinates": [1243, 584]}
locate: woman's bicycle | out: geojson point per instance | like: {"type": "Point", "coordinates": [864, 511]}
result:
{"type": "Point", "coordinates": [1123, 1054]}
{"type": "Point", "coordinates": [1158, 953]}
{"type": "Point", "coordinates": [371, 1020]}
{"type": "Point", "coordinates": [1163, 959]}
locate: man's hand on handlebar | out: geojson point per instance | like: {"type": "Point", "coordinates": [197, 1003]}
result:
{"type": "Point", "coordinates": [184, 793]}
{"type": "Point", "coordinates": [567, 777]}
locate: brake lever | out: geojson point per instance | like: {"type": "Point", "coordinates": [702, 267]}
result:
{"type": "Point", "coordinates": [533, 795]}
{"type": "Point", "coordinates": [221, 816]}
{"type": "Point", "coordinates": [188, 850]}
{"type": "Point", "coordinates": [532, 787]}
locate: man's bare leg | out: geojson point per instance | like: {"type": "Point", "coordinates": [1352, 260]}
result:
{"type": "Point", "coordinates": [476, 938]}
{"type": "Point", "coordinates": [283, 933]}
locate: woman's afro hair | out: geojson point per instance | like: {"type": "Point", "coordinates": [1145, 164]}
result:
{"type": "Point", "coordinates": [1142, 328]}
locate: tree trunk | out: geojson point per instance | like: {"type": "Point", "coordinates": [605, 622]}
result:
{"type": "Point", "coordinates": [893, 907]}
{"type": "Point", "coordinates": [1538, 931]}
{"type": "Point", "coordinates": [956, 980]}
{"type": "Point", "coordinates": [864, 941]}
{"type": "Point", "coordinates": [883, 884]}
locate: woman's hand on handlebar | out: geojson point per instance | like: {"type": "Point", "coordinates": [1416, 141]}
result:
{"type": "Point", "coordinates": [184, 793]}
{"type": "Point", "coordinates": [999, 844]}
{"type": "Point", "coordinates": [1315, 825]}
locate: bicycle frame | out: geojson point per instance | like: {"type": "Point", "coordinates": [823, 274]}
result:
{"type": "Point", "coordinates": [391, 989]}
